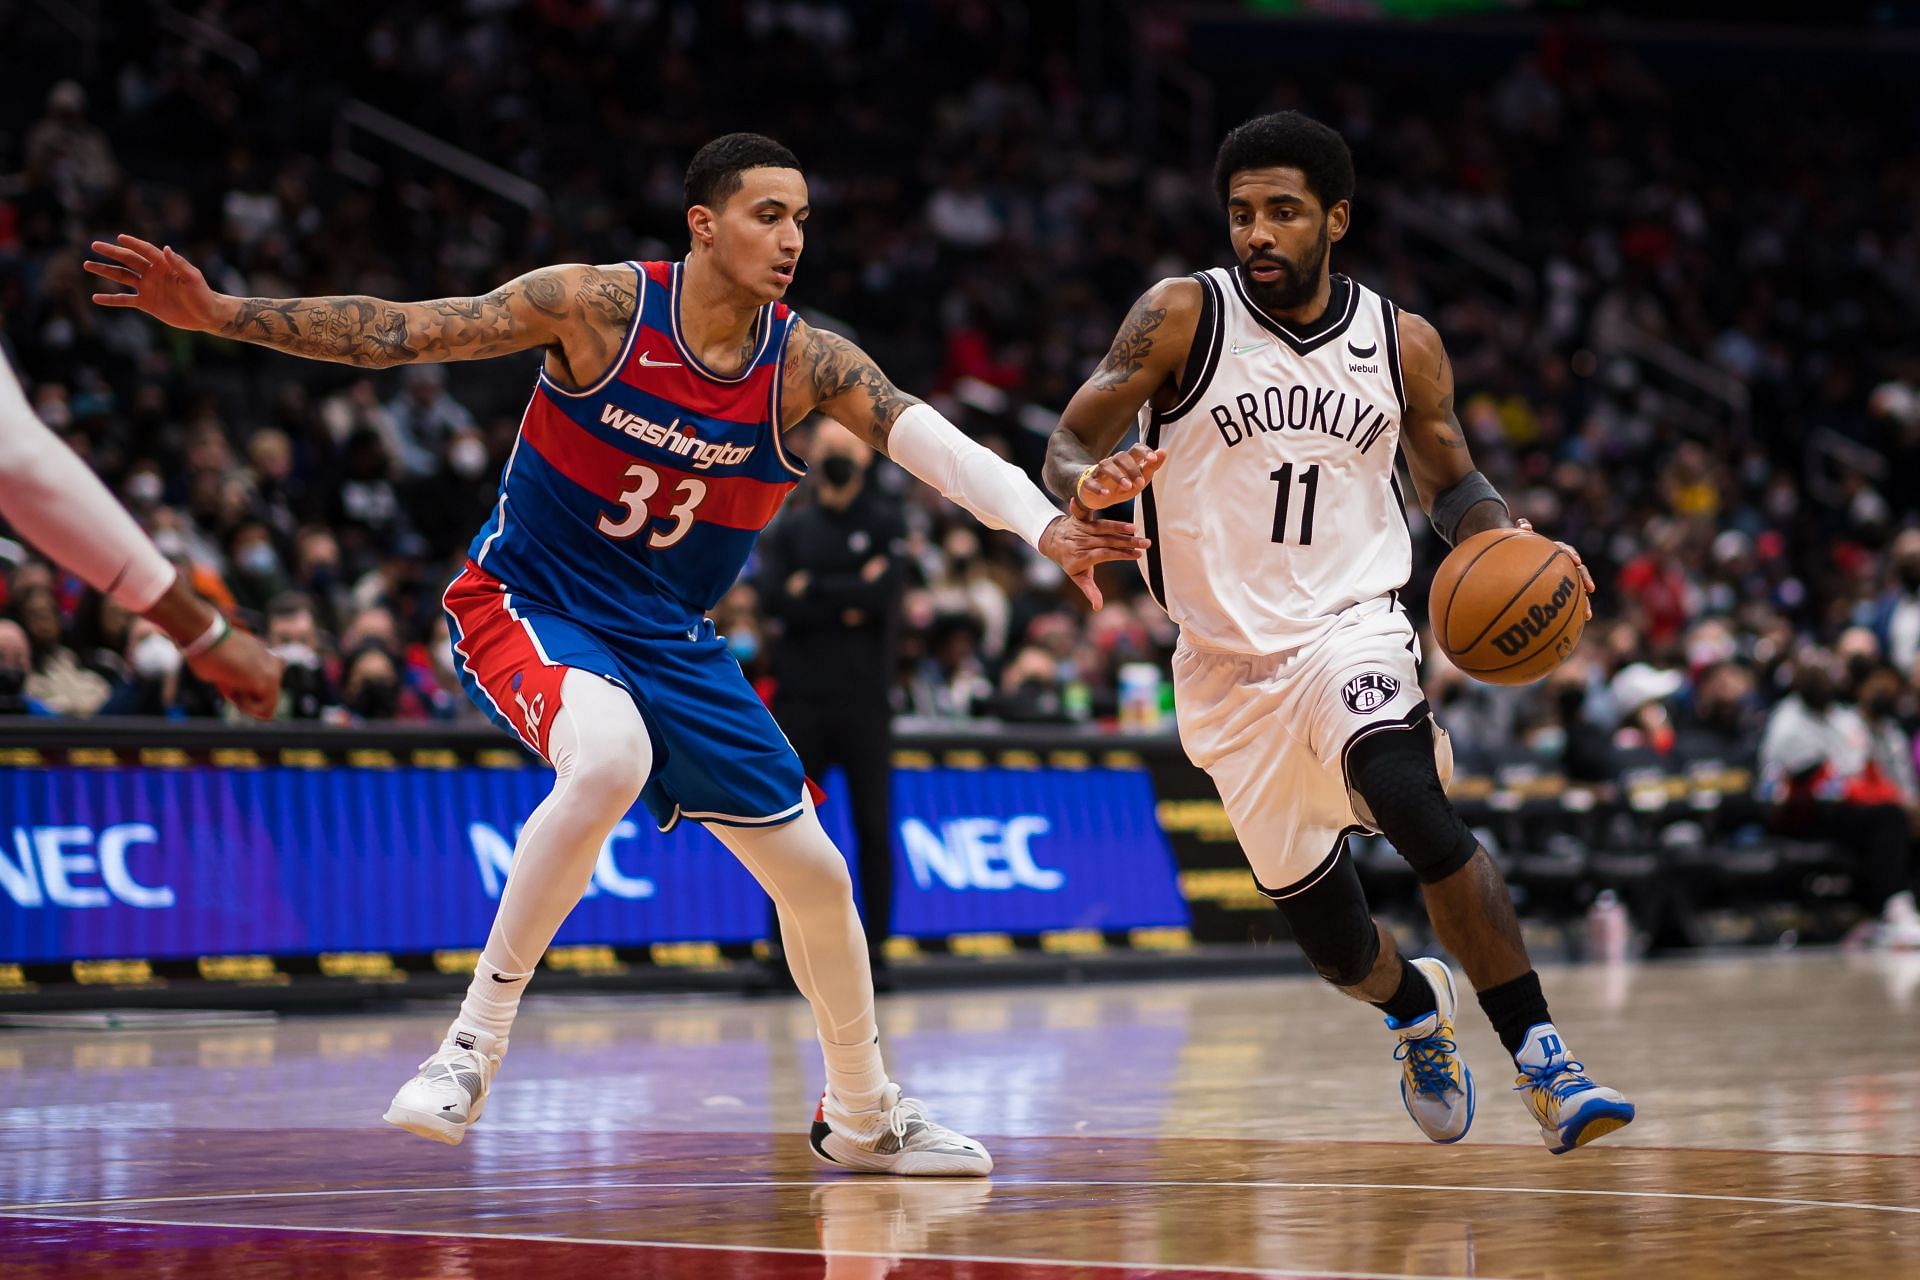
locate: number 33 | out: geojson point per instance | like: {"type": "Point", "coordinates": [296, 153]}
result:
{"type": "Point", "coordinates": [647, 481]}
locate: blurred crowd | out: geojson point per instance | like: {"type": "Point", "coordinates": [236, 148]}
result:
{"type": "Point", "coordinates": [1678, 292]}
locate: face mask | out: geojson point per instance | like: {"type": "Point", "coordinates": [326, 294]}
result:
{"type": "Point", "coordinates": [155, 658]}
{"type": "Point", "coordinates": [144, 489]}
{"type": "Point", "coordinates": [744, 646]}
{"type": "Point", "coordinates": [468, 458]}
{"type": "Point", "coordinates": [258, 559]}
{"type": "Point", "coordinates": [1910, 575]}
{"type": "Point", "coordinates": [837, 469]}
{"type": "Point", "coordinates": [1882, 706]}
{"type": "Point", "coordinates": [377, 700]}
{"type": "Point", "coordinates": [11, 683]}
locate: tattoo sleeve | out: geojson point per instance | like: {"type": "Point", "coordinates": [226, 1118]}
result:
{"type": "Point", "coordinates": [542, 308]}
{"type": "Point", "coordinates": [842, 381]}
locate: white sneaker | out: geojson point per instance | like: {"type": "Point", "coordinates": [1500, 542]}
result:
{"type": "Point", "coordinates": [898, 1139]}
{"type": "Point", "coordinates": [450, 1091]}
{"type": "Point", "coordinates": [1435, 1085]}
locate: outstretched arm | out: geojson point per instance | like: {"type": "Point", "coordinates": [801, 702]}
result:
{"type": "Point", "coordinates": [1146, 356]}
{"type": "Point", "coordinates": [579, 312]}
{"type": "Point", "coordinates": [827, 373]}
{"type": "Point", "coordinates": [1458, 500]}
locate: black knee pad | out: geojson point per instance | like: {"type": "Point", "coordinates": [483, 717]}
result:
{"type": "Point", "coordinates": [1329, 919]}
{"type": "Point", "coordinates": [1396, 781]}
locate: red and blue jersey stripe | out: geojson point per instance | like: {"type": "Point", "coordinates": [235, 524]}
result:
{"type": "Point", "coordinates": [631, 505]}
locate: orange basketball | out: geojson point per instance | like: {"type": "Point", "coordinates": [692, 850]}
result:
{"type": "Point", "coordinates": [1507, 606]}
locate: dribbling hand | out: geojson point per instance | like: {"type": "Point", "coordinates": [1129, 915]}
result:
{"type": "Point", "coordinates": [1586, 577]}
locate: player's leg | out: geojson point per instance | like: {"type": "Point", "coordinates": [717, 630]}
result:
{"type": "Point", "coordinates": [1393, 769]}
{"type": "Point", "coordinates": [863, 1124]}
{"type": "Point", "coordinates": [601, 756]}
{"type": "Point", "coordinates": [1292, 814]}
{"type": "Point", "coordinates": [1329, 918]}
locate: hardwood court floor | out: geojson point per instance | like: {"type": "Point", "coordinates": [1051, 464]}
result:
{"type": "Point", "coordinates": [1185, 1130]}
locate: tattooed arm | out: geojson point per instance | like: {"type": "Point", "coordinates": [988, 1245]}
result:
{"type": "Point", "coordinates": [579, 313]}
{"type": "Point", "coordinates": [1142, 365]}
{"type": "Point", "coordinates": [826, 373]}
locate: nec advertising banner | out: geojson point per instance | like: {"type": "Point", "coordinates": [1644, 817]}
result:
{"type": "Point", "coordinates": [98, 863]}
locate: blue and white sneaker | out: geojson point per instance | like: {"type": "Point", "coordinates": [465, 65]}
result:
{"type": "Point", "coordinates": [1571, 1109]}
{"type": "Point", "coordinates": [1435, 1085]}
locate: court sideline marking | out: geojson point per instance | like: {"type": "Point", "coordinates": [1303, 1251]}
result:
{"type": "Point", "coordinates": [522, 1189]}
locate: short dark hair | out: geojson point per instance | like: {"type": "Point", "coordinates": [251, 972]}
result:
{"type": "Point", "coordinates": [714, 174]}
{"type": "Point", "coordinates": [1287, 139]}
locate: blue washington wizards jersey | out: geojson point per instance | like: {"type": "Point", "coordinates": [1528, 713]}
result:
{"type": "Point", "coordinates": [630, 507]}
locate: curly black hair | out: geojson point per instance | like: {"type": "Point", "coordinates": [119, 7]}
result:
{"type": "Point", "coordinates": [714, 174]}
{"type": "Point", "coordinates": [1290, 140]}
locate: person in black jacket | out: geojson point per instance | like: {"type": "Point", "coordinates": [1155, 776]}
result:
{"type": "Point", "coordinates": [830, 573]}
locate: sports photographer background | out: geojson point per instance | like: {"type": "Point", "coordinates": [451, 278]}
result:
{"type": "Point", "coordinates": [1679, 276]}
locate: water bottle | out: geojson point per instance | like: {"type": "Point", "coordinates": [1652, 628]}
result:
{"type": "Point", "coordinates": [1607, 928]}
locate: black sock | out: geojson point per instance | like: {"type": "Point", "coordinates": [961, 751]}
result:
{"type": "Point", "coordinates": [1413, 999]}
{"type": "Point", "coordinates": [1515, 1006]}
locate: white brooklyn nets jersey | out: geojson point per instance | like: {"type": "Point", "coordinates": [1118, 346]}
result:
{"type": "Point", "coordinates": [1277, 508]}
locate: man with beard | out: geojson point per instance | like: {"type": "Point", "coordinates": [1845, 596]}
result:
{"type": "Point", "coordinates": [1271, 400]}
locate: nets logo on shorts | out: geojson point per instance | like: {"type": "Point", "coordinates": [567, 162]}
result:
{"type": "Point", "coordinates": [1369, 691]}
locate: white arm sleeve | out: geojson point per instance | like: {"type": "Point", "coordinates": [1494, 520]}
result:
{"type": "Point", "coordinates": [56, 502]}
{"type": "Point", "coordinates": [997, 493]}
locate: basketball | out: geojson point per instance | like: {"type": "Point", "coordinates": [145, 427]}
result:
{"type": "Point", "coordinates": [1507, 606]}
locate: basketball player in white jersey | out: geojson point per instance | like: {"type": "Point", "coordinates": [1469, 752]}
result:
{"type": "Point", "coordinates": [1272, 400]}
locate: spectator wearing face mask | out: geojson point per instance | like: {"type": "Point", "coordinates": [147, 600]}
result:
{"type": "Point", "coordinates": [1819, 776]}
{"type": "Point", "coordinates": [830, 573]}
{"type": "Point", "coordinates": [157, 682]}
{"type": "Point", "coordinates": [370, 685]}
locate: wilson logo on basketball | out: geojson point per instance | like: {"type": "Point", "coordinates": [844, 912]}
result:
{"type": "Point", "coordinates": [1369, 691]}
{"type": "Point", "coordinates": [1534, 623]}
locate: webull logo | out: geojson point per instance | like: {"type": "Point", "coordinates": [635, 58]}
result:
{"type": "Point", "coordinates": [75, 867]}
{"type": "Point", "coordinates": [979, 853]}
{"type": "Point", "coordinates": [493, 855]}
{"type": "Point", "coordinates": [1534, 623]}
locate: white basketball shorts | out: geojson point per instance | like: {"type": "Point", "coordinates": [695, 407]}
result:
{"type": "Point", "coordinates": [1274, 732]}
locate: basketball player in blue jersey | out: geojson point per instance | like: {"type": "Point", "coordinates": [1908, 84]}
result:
{"type": "Point", "coordinates": [1272, 400]}
{"type": "Point", "coordinates": [649, 459]}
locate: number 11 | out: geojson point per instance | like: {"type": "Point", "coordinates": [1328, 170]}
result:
{"type": "Point", "coordinates": [1310, 481]}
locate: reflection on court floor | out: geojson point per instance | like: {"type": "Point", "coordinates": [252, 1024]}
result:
{"type": "Point", "coordinates": [1179, 1129]}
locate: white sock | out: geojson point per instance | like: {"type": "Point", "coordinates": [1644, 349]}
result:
{"type": "Point", "coordinates": [485, 1043]}
{"type": "Point", "coordinates": [856, 1077]}
{"type": "Point", "coordinates": [493, 998]}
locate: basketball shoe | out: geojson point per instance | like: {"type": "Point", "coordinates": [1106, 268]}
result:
{"type": "Point", "coordinates": [898, 1138]}
{"type": "Point", "coordinates": [450, 1091]}
{"type": "Point", "coordinates": [1435, 1084]}
{"type": "Point", "coordinates": [1571, 1109]}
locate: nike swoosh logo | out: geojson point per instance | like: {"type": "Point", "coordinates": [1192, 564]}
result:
{"type": "Point", "coordinates": [648, 362]}
{"type": "Point", "coordinates": [1358, 354]}
{"type": "Point", "coordinates": [497, 978]}
{"type": "Point", "coordinates": [1251, 346]}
